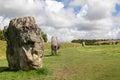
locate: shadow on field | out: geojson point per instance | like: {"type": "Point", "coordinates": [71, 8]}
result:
{"type": "Point", "coordinates": [2, 69]}
{"type": "Point", "coordinates": [6, 69]}
{"type": "Point", "coordinates": [48, 55]}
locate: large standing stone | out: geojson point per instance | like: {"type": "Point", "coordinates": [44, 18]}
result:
{"type": "Point", "coordinates": [54, 45]}
{"type": "Point", "coordinates": [24, 44]}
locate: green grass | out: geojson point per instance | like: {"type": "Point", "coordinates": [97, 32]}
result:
{"type": "Point", "coordinates": [2, 49]}
{"type": "Point", "coordinates": [63, 45]}
{"type": "Point", "coordinates": [72, 63]}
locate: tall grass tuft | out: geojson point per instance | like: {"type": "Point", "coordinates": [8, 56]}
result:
{"type": "Point", "coordinates": [44, 71]}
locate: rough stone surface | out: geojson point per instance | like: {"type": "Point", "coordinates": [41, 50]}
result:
{"type": "Point", "coordinates": [24, 44]}
{"type": "Point", "coordinates": [114, 42]}
{"type": "Point", "coordinates": [54, 45]}
{"type": "Point", "coordinates": [83, 44]}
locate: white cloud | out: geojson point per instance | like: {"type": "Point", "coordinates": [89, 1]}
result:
{"type": "Point", "coordinates": [83, 11]}
{"type": "Point", "coordinates": [1, 18]}
{"type": "Point", "coordinates": [17, 8]}
{"type": "Point", "coordinates": [98, 9]}
{"type": "Point", "coordinates": [3, 22]}
{"type": "Point", "coordinates": [94, 20]}
{"type": "Point", "coordinates": [77, 3]}
{"type": "Point", "coordinates": [116, 20]}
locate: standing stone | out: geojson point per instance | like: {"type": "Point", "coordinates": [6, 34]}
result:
{"type": "Point", "coordinates": [83, 44]}
{"type": "Point", "coordinates": [24, 44]}
{"type": "Point", "coordinates": [114, 42]}
{"type": "Point", "coordinates": [54, 45]}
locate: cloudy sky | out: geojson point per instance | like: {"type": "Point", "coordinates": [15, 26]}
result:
{"type": "Point", "coordinates": [67, 19]}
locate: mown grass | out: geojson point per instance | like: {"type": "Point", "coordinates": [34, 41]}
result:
{"type": "Point", "coordinates": [72, 63]}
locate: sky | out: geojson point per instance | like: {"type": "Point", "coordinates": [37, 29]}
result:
{"type": "Point", "coordinates": [67, 19]}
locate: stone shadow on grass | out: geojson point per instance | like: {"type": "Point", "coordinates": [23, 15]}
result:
{"type": "Point", "coordinates": [41, 71]}
{"type": "Point", "coordinates": [50, 55]}
{"type": "Point", "coordinates": [47, 55]}
{"type": "Point", "coordinates": [6, 69]}
{"type": "Point", "coordinates": [2, 69]}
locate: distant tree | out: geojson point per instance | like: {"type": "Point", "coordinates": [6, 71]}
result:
{"type": "Point", "coordinates": [44, 35]}
{"type": "Point", "coordinates": [96, 41]}
{"type": "Point", "coordinates": [87, 41]}
{"type": "Point", "coordinates": [1, 35]}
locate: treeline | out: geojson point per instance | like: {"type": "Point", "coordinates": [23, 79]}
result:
{"type": "Point", "coordinates": [44, 35]}
{"type": "Point", "coordinates": [97, 41]}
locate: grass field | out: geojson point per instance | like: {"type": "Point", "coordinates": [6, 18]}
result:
{"type": "Point", "coordinates": [2, 49]}
{"type": "Point", "coordinates": [72, 63]}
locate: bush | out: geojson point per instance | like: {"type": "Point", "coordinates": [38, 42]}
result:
{"type": "Point", "coordinates": [44, 36]}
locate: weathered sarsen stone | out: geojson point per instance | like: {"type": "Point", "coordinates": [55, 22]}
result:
{"type": "Point", "coordinates": [24, 44]}
{"type": "Point", "coordinates": [54, 45]}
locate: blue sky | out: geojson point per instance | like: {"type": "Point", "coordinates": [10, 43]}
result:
{"type": "Point", "coordinates": [66, 5]}
{"type": "Point", "coordinates": [117, 8]}
{"type": "Point", "coordinates": [68, 19]}
{"type": "Point", "coordinates": [77, 8]}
